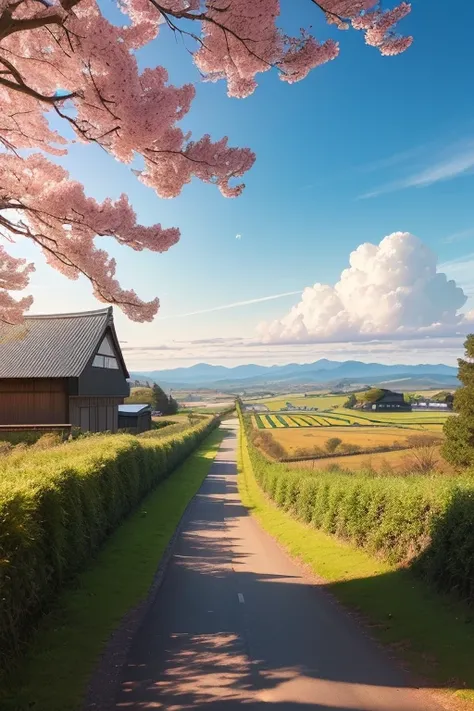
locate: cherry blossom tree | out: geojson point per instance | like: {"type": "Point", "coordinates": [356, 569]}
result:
{"type": "Point", "coordinates": [64, 58]}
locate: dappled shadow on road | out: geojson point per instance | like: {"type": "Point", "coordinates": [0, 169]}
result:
{"type": "Point", "coordinates": [237, 623]}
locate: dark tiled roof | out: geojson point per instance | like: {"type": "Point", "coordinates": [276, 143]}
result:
{"type": "Point", "coordinates": [54, 346]}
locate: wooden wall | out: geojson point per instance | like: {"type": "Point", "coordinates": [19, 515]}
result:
{"type": "Point", "coordinates": [32, 401]}
{"type": "Point", "coordinates": [94, 414]}
{"type": "Point", "coordinates": [139, 422]}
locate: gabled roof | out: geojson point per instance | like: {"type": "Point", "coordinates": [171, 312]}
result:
{"type": "Point", "coordinates": [55, 345]}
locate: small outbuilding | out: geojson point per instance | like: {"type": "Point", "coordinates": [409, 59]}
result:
{"type": "Point", "coordinates": [62, 369]}
{"type": "Point", "coordinates": [134, 417]}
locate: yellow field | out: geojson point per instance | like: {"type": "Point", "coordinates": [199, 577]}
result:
{"type": "Point", "coordinates": [296, 438]}
{"type": "Point", "coordinates": [399, 461]}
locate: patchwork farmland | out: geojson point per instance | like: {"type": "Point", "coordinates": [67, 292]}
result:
{"type": "Point", "coordinates": [345, 418]}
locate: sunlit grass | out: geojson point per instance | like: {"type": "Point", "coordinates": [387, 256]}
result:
{"type": "Point", "coordinates": [433, 634]}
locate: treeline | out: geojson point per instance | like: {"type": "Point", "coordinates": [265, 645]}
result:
{"type": "Point", "coordinates": [422, 522]}
{"type": "Point", "coordinates": [57, 507]}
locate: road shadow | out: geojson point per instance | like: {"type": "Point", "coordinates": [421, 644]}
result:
{"type": "Point", "coordinates": [236, 622]}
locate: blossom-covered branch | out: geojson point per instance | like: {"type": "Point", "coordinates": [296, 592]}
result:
{"type": "Point", "coordinates": [241, 38]}
{"type": "Point", "coordinates": [64, 56]}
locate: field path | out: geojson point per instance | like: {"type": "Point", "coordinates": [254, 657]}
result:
{"type": "Point", "coordinates": [238, 623]}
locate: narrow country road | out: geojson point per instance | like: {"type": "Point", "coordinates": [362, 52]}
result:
{"type": "Point", "coordinates": [238, 623]}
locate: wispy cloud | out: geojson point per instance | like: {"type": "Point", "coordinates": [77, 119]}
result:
{"type": "Point", "coordinates": [458, 236]}
{"type": "Point", "coordinates": [152, 348]}
{"type": "Point", "coordinates": [233, 305]}
{"type": "Point", "coordinates": [394, 159]}
{"type": "Point", "coordinates": [460, 161]}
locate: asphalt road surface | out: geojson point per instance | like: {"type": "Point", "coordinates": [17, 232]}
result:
{"type": "Point", "coordinates": [237, 623]}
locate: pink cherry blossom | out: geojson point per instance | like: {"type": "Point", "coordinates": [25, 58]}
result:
{"type": "Point", "coordinates": [63, 58]}
{"type": "Point", "coordinates": [13, 277]}
{"type": "Point", "coordinates": [378, 26]}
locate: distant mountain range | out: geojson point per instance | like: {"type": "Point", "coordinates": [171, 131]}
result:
{"type": "Point", "coordinates": [321, 372]}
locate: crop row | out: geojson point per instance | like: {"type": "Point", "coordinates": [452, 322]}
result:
{"type": "Point", "coordinates": [326, 419]}
{"type": "Point", "coordinates": [277, 421]}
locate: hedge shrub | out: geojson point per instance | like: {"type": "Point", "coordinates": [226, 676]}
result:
{"type": "Point", "coordinates": [57, 506]}
{"type": "Point", "coordinates": [425, 522]}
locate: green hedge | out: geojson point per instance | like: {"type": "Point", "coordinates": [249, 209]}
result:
{"type": "Point", "coordinates": [57, 506]}
{"type": "Point", "coordinates": [425, 522]}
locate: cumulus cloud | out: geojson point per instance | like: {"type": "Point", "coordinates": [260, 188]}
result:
{"type": "Point", "coordinates": [391, 289]}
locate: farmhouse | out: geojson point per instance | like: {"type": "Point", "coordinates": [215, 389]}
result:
{"type": "Point", "coordinates": [389, 400]}
{"type": "Point", "coordinates": [62, 369]}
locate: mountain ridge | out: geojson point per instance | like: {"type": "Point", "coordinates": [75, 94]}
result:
{"type": "Point", "coordinates": [320, 371]}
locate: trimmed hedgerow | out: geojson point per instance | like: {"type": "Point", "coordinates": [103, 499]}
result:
{"type": "Point", "coordinates": [425, 522]}
{"type": "Point", "coordinates": [58, 505]}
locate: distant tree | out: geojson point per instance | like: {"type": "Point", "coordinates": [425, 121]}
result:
{"type": "Point", "coordinates": [139, 396]}
{"type": "Point", "coordinates": [459, 445]}
{"type": "Point", "coordinates": [160, 400]}
{"type": "Point", "coordinates": [351, 401]}
{"type": "Point", "coordinates": [332, 444]}
{"type": "Point", "coordinates": [172, 406]}
{"type": "Point", "coordinates": [370, 396]}
{"type": "Point", "coordinates": [442, 396]}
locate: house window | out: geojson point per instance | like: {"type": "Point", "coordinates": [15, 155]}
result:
{"type": "Point", "coordinates": [105, 357]}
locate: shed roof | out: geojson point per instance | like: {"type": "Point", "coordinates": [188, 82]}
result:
{"type": "Point", "coordinates": [54, 345]}
{"type": "Point", "coordinates": [133, 409]}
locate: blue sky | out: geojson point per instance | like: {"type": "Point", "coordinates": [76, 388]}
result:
{"type": "Point", "coordinates": [364, 147]}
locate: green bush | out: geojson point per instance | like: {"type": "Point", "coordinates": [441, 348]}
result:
{"type": "Point", "coordinates": [458, 448]}
{"type": "Point", "coordinates": [58, 505]}
{"type": "Point", "coordinates": [425, 522]}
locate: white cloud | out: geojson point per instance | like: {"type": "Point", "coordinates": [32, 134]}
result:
{"type": "Point", "coordinates": [390, 290]}
{"type": "Point", "coordinates": [460, 161]}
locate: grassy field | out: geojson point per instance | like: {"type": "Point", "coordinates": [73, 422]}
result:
{"type": "Point", "coordinates": [432, 634]}
{"type": "Point", "coordinates": [343, 418]}
{"type": "Point", "coordinates": [54, 674]}
{"type": "Point", "coordinates": [365, 437]}
{"type": "Point", "coordinates": [322, 402]}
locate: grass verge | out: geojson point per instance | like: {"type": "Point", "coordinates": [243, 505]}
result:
{"type": "Point", "coordinates": [433, 634]}
{"type": "Point", "coordinates": [54, 673]}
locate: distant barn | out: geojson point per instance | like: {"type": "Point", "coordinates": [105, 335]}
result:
{"type": "Point", "coordinates": [62, 369]}
{"type": "Point", "coordinates": [134, 417]}
{"type": "Point", "coordinates": [390, 401]}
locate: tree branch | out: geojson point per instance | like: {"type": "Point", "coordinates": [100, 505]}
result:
{"type": "Point", "coordinates": [25, 89]}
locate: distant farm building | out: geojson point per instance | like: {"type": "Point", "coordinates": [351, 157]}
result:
{"type": "Point", "coordinates": [64, 369]}
{"type": "Point", "coordinates": [134, 417]}
{"type": "Point", "coordinates": [389, 400]}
